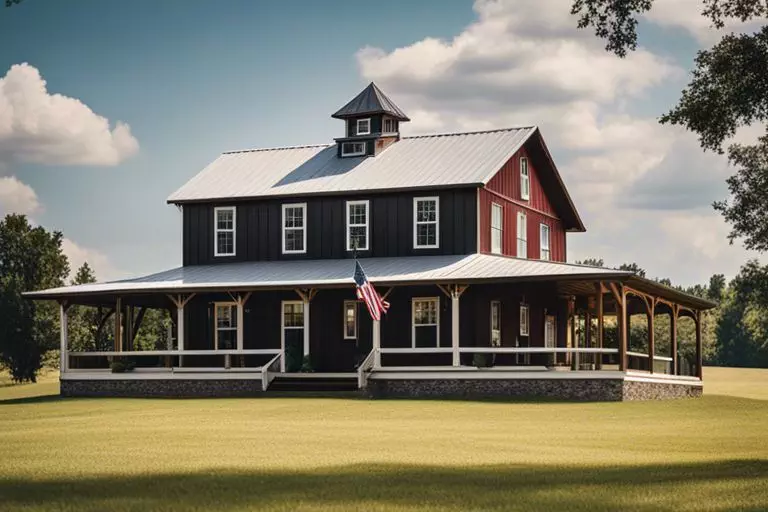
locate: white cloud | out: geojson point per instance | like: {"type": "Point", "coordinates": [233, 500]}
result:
{"type": "Point", "coordinates": [642, 188]}
{"type": "Point", "coordinates": [17, 197]}
{"type": "Point", "coordinates": [39, 127]}
{"type": "Point", "coordinates": [98, 261]}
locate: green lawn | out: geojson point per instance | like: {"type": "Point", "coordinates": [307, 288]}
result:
{"type": "Point", "coordinates": [348, 454]}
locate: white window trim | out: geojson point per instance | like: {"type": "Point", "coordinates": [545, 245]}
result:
{"type": "Point", "coordinates": [436, 222]}
{"type": "Point", "coordinates": [367, 223]}
{"type": "Point", "coordinates": [216, 322]}
{"type": "Point", "coordinates": [500, 229]}
{"type": "Point", "coordinates": [303, 207]}
{"type": "Point", "coordinates": [527, 325]}
{"type": "Point", "coordinates": [357, 126]}
{"type": "Point", "coordinates": [353, 153]}
{"type": "Point", "coordinates": [542, 229]}
{"type": "Point", "coordinates": [522, 229]}
{"type": "Point", "coordinates": [553, 343]}
{"type": "Point", "coordinates": [525, 192]}
{"type": "Point", "coordinates": [414, 300]}
{"type": "Point", "coordinates": [347, 303]}
{"type": "Point", "coordinates": [216, 230]}
{"type": "Point", "coordinates": [496, 303]}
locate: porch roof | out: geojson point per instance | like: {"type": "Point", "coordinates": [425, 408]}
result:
{"type": "Point", "coordinates": [464, 269]}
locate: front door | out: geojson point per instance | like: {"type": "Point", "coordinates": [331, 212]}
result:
{"type": "Point", "coordinates": [292, 325]}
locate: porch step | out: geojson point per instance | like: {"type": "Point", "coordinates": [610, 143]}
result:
{"type": "Point", "coordinates": [316, 384]}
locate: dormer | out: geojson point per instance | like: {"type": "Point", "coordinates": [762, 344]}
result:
{"type": "Point", "coordinates": [372, 123]}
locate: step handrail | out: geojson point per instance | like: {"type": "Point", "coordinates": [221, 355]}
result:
{"type": "Point", "coordinates": [364, 369]}
{"type": "Point", "coordinates": [270, 370]}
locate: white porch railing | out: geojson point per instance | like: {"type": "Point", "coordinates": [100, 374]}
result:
{"type": "Point", "coordinates": [269, 370]}
{"type": "Point", "coordinates": [364, 369]}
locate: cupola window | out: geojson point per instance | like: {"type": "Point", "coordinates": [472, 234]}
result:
{"type": "Point", "coordinates": [364, 126]}
{"type": "Point", "coordinates": [352, 148]}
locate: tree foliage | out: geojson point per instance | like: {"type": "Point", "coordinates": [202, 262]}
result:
{"type": "Point", "coordinates": [728, 90]}
{"type": "Point", "coordinates": [30, 259]}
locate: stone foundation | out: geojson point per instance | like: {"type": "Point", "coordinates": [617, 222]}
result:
{"type": "Point", "coordinates": [590, 390]}
{"type": "Point", "coordinates": [162, 388]}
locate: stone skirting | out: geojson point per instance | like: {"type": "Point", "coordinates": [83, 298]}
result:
{"type": "Point", "coordinates": [598, 390]}
{"type": "Point", "coordinates": [161, 388]}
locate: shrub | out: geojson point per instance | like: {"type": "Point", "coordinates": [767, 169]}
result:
{"type": "Point", "coordinates": [122, 365]}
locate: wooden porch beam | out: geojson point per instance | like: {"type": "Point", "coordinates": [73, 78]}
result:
{"type": "Point", "coordinates": [699, 353]}
{"type": "Point", "coordinates": [673, 336]}
{"type": "Point", "coordinates": [599, 357]}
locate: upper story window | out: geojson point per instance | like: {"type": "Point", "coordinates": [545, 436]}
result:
{"type": "Point", "coordinates": [294, 228]}
{"type": "Point", "coordinates": [522, 235]}
{"type": "Point", "coordinates": [363, 126]}
{"type": "Point", "coordinates": [544, 242]}
{"type": "Point", "coordinates": [497, 227]}
{"type": "Point", "coordinates": [525, 180]}
{"type": "Point", "coordinates": [224, 231]}
{"type": "Point", "coordinates": [357, 225]}
{"type": "Point", "coordinates": [352, 148]}
{"type": "Point", "coordinates": [426, 222]}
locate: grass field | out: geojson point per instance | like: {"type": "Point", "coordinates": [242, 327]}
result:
{"type": "Point", "coordinates": [348, 454]}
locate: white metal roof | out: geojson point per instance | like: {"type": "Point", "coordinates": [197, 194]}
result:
{"type": "Point", "coordinates": [303, 273]}
{"type": "Point", "coordinates": [413, 162]}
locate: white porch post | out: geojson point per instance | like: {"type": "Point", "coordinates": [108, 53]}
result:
{"type": "Point", "coordinates": [455, 325]}
{"type": "Point", "coordinates": [306, 325]}
{"type": "Point", "coordinates": [64, 359]}
{"type": "Point", "coordinates": [180, 329]}
{"type": "Point", "coordinates": [377, 343]}
{"type": "Point", "coordinates": [240, 328]}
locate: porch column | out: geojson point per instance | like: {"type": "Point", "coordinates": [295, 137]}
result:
{"type": "Point", "coordinates": [306, 326]}
{"type": "Point", "coordinates": [699, 355]}
{"type": "Point", "coordinates": [673, 337]}
{"type": "Point", "coordinates": [651, 334]}
{"type": "Point", "coordinates": [64, 358]}
{"type": "Point", "coordinates": [118, 324]}
{"type": "Point", "coordinates": [180, 301]}
{"type": "Point", "coordinates": [599, 358]}
{"type": "Point", "coordinates": [377, 344]}
{"type": "Point", "coordinates": [622, 322]}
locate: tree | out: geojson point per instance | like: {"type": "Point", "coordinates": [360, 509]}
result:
{"type": "Point", "coordinates": [728, 90]}
{"type": "Point", "coordinates": [592, 262]}
{"type": "Point", "coordinates": [83, 321]}
{"type": "Point", "coordinates": [632, 267]}
{"type": "Point", "coordinates": [30, 259]}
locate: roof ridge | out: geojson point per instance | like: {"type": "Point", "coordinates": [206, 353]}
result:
{"type": "Point", "coordinates": [475, 132]}
{"type": "Point", "coordinates": [564, 263]}
{"type": "Point", "coordinates": [276, 148]}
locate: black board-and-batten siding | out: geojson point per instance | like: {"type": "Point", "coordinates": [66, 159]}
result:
{"type": "Point", "coordinates": [259, 227]}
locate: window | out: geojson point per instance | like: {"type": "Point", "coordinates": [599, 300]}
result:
{"type": "Point", "coordinates": [294, 228]}
{"type": "Point", "coordinates": [293, 314]}
{"type": "Point", "coordinates": [426, 322]}
{"type": "Point", "coordinates": [525, 180]}
{"type": "Point", "coordinates": [497, 213]}
{"type": "Point", "coordinates": [364, 126]}
{"type": "Point", "coordinates": [544, 241]}
{"type": "Point", "coordinates": [522, 236]}
{"type": "Point", "coordinates": [524, 320]}
{"type": "Point", "coordinates": [426, 218]}
{"type": "Point", "coordinates": [226, 325]}
{"type": "Point", "coordinates": [350, 319]}
{"type": "Point", "coordinates": [549, 331]}
{"type": "Point", "coordinates": [389, 126]}
{"type": "Point", "coordinates": [357, 225]}
{"type": "Point", "coordinates": [495, 323]}
{"type": "Point", "coordinates": [352, 148]}
{"type": "Point", "coordinates": [224, 231]}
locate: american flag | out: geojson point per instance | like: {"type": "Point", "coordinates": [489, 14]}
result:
{"type": "Point", "coordinates": [365, 291]}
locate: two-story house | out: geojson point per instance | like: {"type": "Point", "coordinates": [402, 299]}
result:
{"type": "Point", "coordinates": [464, 234]}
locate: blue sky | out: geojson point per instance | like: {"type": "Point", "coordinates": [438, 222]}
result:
{"type": "Point", "coordinates": [194, 78]}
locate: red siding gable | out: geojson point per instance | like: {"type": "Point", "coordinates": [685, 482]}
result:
{"type": "Point", "coordinates": [504, 189]}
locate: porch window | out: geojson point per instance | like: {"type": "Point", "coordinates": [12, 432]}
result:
{"type": "Point", "coordinates": [544, 243]}
{"type": "Point", "coordinates": [426, 220]}
{"type": "Point", "coordinates": [224, 231]}
{"type": "Point", "coordinates": [293, 314]}
{"type": "Point", "coordinates": [226, 325]}
{"type": "Point", "coordinates": [495, 323]}
{"type": "Point", "coordinates": [357, 225]}
{"type": "Point", "coordinates": [425, 322]}
{"type": "Point", "coordinates": [364, 126]}
{"type": "Point", "coordinates": [294, 228]}
{"type": "Point", "coordinates": [522, 235]}
{"type": "Point", "coordinates": [352, 148]}
{"type": "Point", "coordinates": [497, 213]}
{"type": "Point", "coordinates": [549, 331]}
{"type": "Point", "coordinates": [525, 180]}
{"type": "Point", "coordinates": [524, 320]}
{"type": "Point", "coordinates": [350, 319]}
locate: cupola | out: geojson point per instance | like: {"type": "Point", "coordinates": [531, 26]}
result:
{"type": "Point", "coordinates": [372, 122]}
